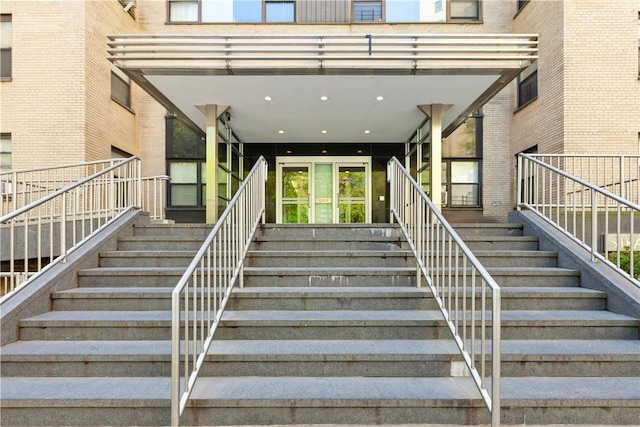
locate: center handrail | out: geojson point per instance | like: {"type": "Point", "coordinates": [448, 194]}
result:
{"type": "Point", "coordinates": [458, 281]}
{"type": "Point", "coordinates": [200, 297]}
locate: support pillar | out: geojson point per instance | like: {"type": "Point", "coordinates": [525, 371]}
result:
{"type": "Point", "coordinates": [211, 202]}
{"type": "Point", "coordinates": [435, 113]}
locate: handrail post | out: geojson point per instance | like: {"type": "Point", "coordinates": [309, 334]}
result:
{"type": "Point", "coordinates": [496, 353]}
{"type": "Point", "coordinates": [519, 183]}
{"type": "Point", "coordinates": [594, 225]}
{"type": "Point", "coordinates": [175, 359]}
{"type": "Point", "coordinates": [63, 229]}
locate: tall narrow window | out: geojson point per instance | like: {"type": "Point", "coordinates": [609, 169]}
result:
{"type": "Point", "coordinates": [5, 47]}
{"type": "Point", "coordinates": [528, 85]}
{"type": "Point", "coordinates": [120, 88]}
{"type": "Point", "coordinates": [5, 152]}
{"type": "Point", "coordinates": [464, 10]}
{"type": "Point", "coordinates": [5, 164]}
{"type": "Point", "coordinates": [367, 11]}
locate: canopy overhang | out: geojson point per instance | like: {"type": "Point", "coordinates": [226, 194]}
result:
{"type": "Point", "coordinates": [187, 72]}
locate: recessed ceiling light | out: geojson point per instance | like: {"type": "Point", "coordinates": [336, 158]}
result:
{"type": "Point", "coordinates": [289, 151]}
{"type": "Point", "coordinates": [280, 131]}
{"type": "Point", "coordinates": [379, 98]}
{"type": "Point", "coordinates": [323, 131]}
{"type": "Point", "coordinates": [268, 98]}
{"type": "Point", "coordinates": [324, 98]}
{"type": "Point", "coordinates": [367, 131]}
{"type": "Point", "coordinates": [359, 151]}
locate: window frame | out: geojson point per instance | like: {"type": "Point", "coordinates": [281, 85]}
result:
{"type": "Point", "coordinates": [7, 51]}
{"type": "Point", "coordinates": [477, 18]}
{"type": "Point", "coordinates": [119, 76]}
{"type": "Point", "coordinates": [529, 81]}
{"type": "Point", "coordinates": [447, 185]}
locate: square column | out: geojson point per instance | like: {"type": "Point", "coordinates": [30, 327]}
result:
{"type": "Point", "coordinates": [435, 113]}
{"type": "Point", "coordinates": [211, 202]}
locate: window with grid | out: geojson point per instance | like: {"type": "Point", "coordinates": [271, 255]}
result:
{"type": "Point", "coordinates": [5, 46]}
{"type": "Point", "coordinates": [120, 88]}
{"type": "Point", "coordinates": [367, 11]}
{"type": "Point", "coordinates": [528, 85]}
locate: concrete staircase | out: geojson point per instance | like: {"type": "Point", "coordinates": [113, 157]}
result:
{"type": "Point", "coordinates": [329, 328]}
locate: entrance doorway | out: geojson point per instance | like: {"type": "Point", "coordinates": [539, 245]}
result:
{"type": "Point", "coordinates": [323, 190]}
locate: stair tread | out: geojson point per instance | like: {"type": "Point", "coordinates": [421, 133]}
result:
{"type": "Point", "coordinates": [321, 389]}
{"type": "Point", "coordinates": [578, 317]}
{"type": "Point", "coordinates": [327, 253]}
{"type": "Point", "coordinates": [603, 350]}
{"type": "Point", "coordinates": [303, 391]}
{"type": "Point", "coordinates": [100, 391]}
{"type": "Point", "coordinates": [150, 253]}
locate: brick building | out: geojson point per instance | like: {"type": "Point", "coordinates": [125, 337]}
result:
{"type": "Point", "coordinates": [65, 98]}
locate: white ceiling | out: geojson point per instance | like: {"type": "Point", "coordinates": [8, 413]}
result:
{"type": "Point", "coordinates": [297, 110]}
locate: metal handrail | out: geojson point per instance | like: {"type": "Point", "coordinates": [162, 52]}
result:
{"type": "Point", "coordinates": [21, 187]}
{"type": "Point", "coordinates": [581, 210]}
{"type": "Point", "coordinates": [458, 281]}
{"type": "Point", "coordinates": [616, 173]}
{"type": "Point", "coordinates": [44, 232]}
{"type": "Point", "coordinates": [154, 190]}
{"type": "Point", "coordinates": [199, 298]}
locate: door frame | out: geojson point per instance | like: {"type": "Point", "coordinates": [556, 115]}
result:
{"type": "Point", "coordinates": [310, 162]}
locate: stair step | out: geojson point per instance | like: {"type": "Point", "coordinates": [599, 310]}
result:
{"type": "Point", "coordinates": [130, 276]}
{"type": "Point", "coordinates": [97, 325]}
{"type": "Point", "coordinates": [147, 258]}
{"type": "Point", "coordinates": [330, 258]}
{"type": "Point", "coordinates": [488, 229]}
{"type": "Point", "coordinates": [346, 400]}
{"type": "Point", "coordinates": [343, 242]}
{"type": "Point", "coordinates": [86, 401]}
{"type": "Point", "coordinates": [521, 258]}
{"type": "Point", "coordinates": [501, 243]}
{"type": "Point", "coordinates": [329, 277]}
{"type": "Point", "coordinates": [330, 230]}
{"type": "Point", "coordinates": [174, 243]}
{"type": "Point", "coordinates": [135, 358]}
{"type": "Point", "coordinates": [200, 231]}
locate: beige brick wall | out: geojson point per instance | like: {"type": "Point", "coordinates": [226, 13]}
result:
{"type": "Point", "coordinates": [108, 123]}
{"type": "Point", "coordinates": [602, 90]}
{"type": "Point", "coordinates": [541, 121]}
{"type": "Point", "coordinates": [58, 105]}
{"type": "Point", "coordinates": [43, 106]}
{"type": "Point", "coordinates": [497, 159]}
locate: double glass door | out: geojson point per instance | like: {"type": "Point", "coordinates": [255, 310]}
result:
{"type": "Point", "coordinates": [323, 190]}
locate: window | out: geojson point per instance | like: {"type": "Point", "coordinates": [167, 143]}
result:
{"type": "Point", "coordinates": [464, 9]}
{"type": "Point", "coordinates": [5, 47]}
{"type": "Point", "coordinates": [120, 88]}
{"type": "Point", "coordinates": [183, 11]}
{"type": "Point", "coordinates": [5, 152]}
{"type": "Point", "coordinates": [528, 85]}
{"type": "Point", "coordinates": [461, 163]}
{"type": "Point", "coordinates": [5, 164]}
{"type": "Point", "coordinates": [367, 11]}
{"type": "Point", "coordinates": [279, 11]}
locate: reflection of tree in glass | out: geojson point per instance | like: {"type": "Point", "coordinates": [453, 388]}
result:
{"type": "Point", "coordinates": [185, 142]}
{"type": "Point", "coordinates": [352, 184]}
{"type": "Point", "coordinates": [295, 186]}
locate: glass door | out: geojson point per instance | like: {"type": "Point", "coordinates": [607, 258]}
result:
{"type": "Point", "coordinates": [294, 189]}
{"type": "Point", "coordinates": [352, 193]}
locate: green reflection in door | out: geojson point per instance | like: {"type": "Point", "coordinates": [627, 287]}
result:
{"type": "Point", "coordinates": [351, 194]}
{"type": "Point", "coordinates": [324, 193]}
{"type": "Point", "coordinates": [295, 194]}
